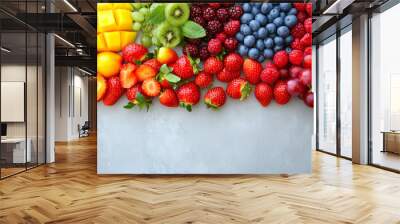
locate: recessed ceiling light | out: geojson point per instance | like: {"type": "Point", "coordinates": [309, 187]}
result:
{"type": "Point", "coordinates": [64, 40]}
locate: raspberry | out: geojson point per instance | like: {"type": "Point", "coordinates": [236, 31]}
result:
{"type": "Point", "coordinates": [214, 27]}
{"type": "Point", "coordinates": [191, 49]}
{"type": "Point", "coordinates": [308, 25]}
{"type": "Point", "coordinates": [199, 20]}
{"type": "Point", "coordinates": [297, 45]}
{"type": "Point", "coordinates": [221, 37]}
{"type": "Point", "coordinates": [222, 14]}
{"type": "Point", "coordinates": [214, 46]}
{"type": "Point", "coordinates": [298, 31]}
{"type": "Point", "coordinates": [214, 5]}
{"type": "Point", "coordinates": [195, 11]}
{"type": "Point", "coordinates": [209, 14]}
{"type": "Point", "coordinates": [306, 40]}
{"type": "Point", "coordinates": [281, 59]}
{"type": "Point", "coordinates": [301, 16]}
{"type": "Point", "coordinates": [231, 44]}
{"type": "Point", "coordinates": [236, 12]}
{"type": "Point", "coordinates": [203, 52]}
{"type": "Point", "coordinates": [232, 27]}
{"type": "Point", "coordinates": [296, 57]}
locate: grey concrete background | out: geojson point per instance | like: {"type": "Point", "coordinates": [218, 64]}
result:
{"type": "Point", "coordinates": [241, 138]}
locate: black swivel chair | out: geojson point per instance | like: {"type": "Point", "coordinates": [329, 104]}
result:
{"type": "Point", "coordinates": [84, 130]}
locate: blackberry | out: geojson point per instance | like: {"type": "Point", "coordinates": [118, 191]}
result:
{"type": "Point", "coordinates": [195, 11]}
{"type": "Point", "coordinates": [214, 27]}
{"type": "Point", "coordinates": [222, 14]}
{"type": "Point", "coordinates": [209, 14]}
{"type": "Point", "coordinates": [196, 42]}
{"type": "Point", "coordinates": [203, 52]}
{"type": "Point", "coordinates": [191, 49]}
{"type": "Point", "coordinates": [199, 20]}
{"type": "Point", "coordinates": [235, 12]}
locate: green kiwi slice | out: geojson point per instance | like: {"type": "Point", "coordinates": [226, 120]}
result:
{"type": "Point", "coordinates": [177, 13]}
{"type": "Point", "coordinates": [168, 36]}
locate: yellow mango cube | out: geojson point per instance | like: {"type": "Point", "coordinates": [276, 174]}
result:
{"type": "Point", "coordinates": [104, 6]}
{"type": "Point", "coordinates": [113, 41]}
{"type": "Point", "coordinates": [101, 43]}
{"type": "Point", "coordinates": [106, 21]}
{"type": "Point", "coordinates": [126, 6]}
{"type": "Point", "coordinates": [127, 38]}
{"type": "Point", "coordinates": [123, 18]}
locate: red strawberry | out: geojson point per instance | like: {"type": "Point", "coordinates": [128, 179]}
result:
{"type": "Point", "coordinates": [168, 98]}
{"type": "Point", "coordinates": [153, 63]}
{"type": "Point", "coordinates": [221, 37]}
{"type": "Point", "coordinates": [215, 97]}
{"type": "Point", "coordinates": [238, 88]}
{"type": "Point", "coordinates": [264, 93]}
{"type": "Point", "coordinates": [296, 57]}
{"type": "Point", "coordinates": [308, 51]}
{"type": "Point", "coordinates": [270, 64]}
{"type": "Point", "coordinates": [281, 59]}
{"type": "Point", "coordinates": [308, 25]}
{"type": "Point", "coordinates": [284, 73]}
{"type": "Point", "coordinates": [233, 62]}
{"type": "Point", "coordinates": [297, 45]}
{"type": "Point", "coordinates": [232, 27]}
{"type": "Point", "coordinates": [136, 97]}
{"type": "Point", "coordinates": [151, 87]}
{"type": "Point", "coordinates": [281, 94]}
{"type": "Point", "coordinates": [295, 71]}
{"type": "Point", "coordinates": [185, 67]}
{"type": "Point", "coordinates": [213, 65]}
{"type": "Point", "coordinates": [307, 61]}
{"type": "Point", "coordinates": [301, 16]}
{"type": "Point", "coordinates": [132, 92]}
{"type": "Point", "coordinates": [231, 44]}
{"type": "Point", "coordinates": [127, 75]}
{"type": "Point", "coordinates": [166, 78]}
{"type": "Point", "coordinates": [309, 9]}
{"type": "Point", "coordinates": [188, 95]}
{"type": "Point", "coordinates": [134, 52]}
{"type": "Point", "coordinates": [203, 79]}
{"type": "Point", "coordinates": [309, 99]}
{"type": "Point", "coordinates": [306, 40]}
{"type": "Point", "coordinates": [300, 6]}
{"type": "Point", "coordinates": [298, 30]}
{"type": "Point", "coordinates": [227, 76]}
{"type": "Point", "coordinates": [214, 46]}
{"type": "Point", "coordinates": [114, 91]}
{"type": "Point", "coordinates": [269, 75]}
{"type": "Point", "coordinates": [295, 87]}
{"type": "Point", "coordinates": [305, 77]}
{"type": "Point", "coordinates": [252, 70]}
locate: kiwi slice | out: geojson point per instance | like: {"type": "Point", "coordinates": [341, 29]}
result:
{"type": "Point", "coordinates": [177, 13]}
{"type": "Point", "coordinates": [168, 36]}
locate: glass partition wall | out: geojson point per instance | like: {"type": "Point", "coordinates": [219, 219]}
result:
{"type": "Point", "coordinates": [22, 77]}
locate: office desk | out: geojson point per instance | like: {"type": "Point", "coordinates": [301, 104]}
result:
{"type": "Point", "coordinates": [391, 141]}
{"type": "Point", "coordinates": [16, 147]}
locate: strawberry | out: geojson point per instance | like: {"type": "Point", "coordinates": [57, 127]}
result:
{"type": "Point", "coordinates": [309, 99]}
{"type": "Point", "coordinates": [151, 87]}
{"type": "Point", "coordinates": [213, 65]}
{"type": "Point", "coordinates": [114, 91]}
{"type": "Point", "coordinates": [298, 30]}
{"type": "Point", "coordinates": [153, 63]}
{"type": "Point", "coordinates": [166, 78]}
{"type": "Point", "coordinates": [134, 52]}
{"type": "Point", "coordinates": [127, 75]}
{"type": "Point", "coordinates": [221, 37]}
{"type": "Point", "coordinates": [307, 61]}
{"type": "Point", "coordinates": [145, 72]}
{"type": "Point", "coordinates": [281, 94]}
{"type": "Point", "coordinates": [188, 95]}
{"type": "Point", "coordinates": [238, 88]}
{"type": "Point", "coordinates": [308, 25]}
{"type": "Point", "coordinates": [168, 98]}
{"type": "Point", "coordinates": [263, 93]}
{"type": "Point", "coordinates": [295, 87]}
{"type": "Point", "coordinates": [132, 92]}
{"type": "Point", "coordinates": [252, 70]}
{"type": "Point", "coordinates": [297, 45]}
{"type": "Point", "coordinates": [233, 62]}
{"type": "Point", "coordinates": [227, 76]}
{"type": "Point", "coordinates": [284, 73]}
{"type": "Point", "coordinates": [281, 59]}
{"type": "Point", "coordinates": [300, 6]}
{"type": "Point", "coordinates": [136, 97]}
{"type": "Point", "coordinates": [166, 55]}
{"type": "Point", "coordinates": [308, 51]}
{"type": "Point", "coordinates": [270, 75]}
{"type": "Point", "coordinates": [214, 46]}
{"type": "Point", "coordinates": [309, 9]}
{"type": "Point", "coordinates": [215, 98]}
{"type": "Point", "coordinates": [232, 27]}
{"type": "Point", "coordinates": [306, 40]}
{"type": "Point", "coordinates": [185, 67]}
{"type": "Point", "coordinates": [296, 57]}
{"type": "Point", "coordinates": [203, 79]}
{"type": "Point", "coordinates": [301, 16]}
{"type": "Point", "coordinates": [270, 64]}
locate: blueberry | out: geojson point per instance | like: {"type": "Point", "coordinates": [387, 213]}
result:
{"type": "Point", "coordinates": [254, 53]}
{"type": "Point", "coordinates": [288, 49]}
{"type": "Point", "coordinates": [290, 20]}
{"type": "Point", "coordinates": [278, 21]}
{"type": "Point", "coordinates": [278, 48]}
{"type": "Point", "coordinates": [292, 11]}
{"type": "Point", "coordinates": [255, 34]}
{"type": "Point", "coordinates": [274, 13]}
{"type": "Point", "coordinates": [262, 33]}
{"type": "Point", "coordinates": [289, 39]}
{"type": "Point", "coordinates": [271, 28]}
{"type": "Point", "coordinates": [243, 50]}
{"type": "Point", "coordinates": [262, 19]}
{"type": "Point", "coordinates": [246, 7]}
{"type": "Point", "coordinates": [268, 53]}
{"type": "Point", "coordinates": [258, 5]}
{"type": "Point", "coordinates": [240, 37]}
{"type": "Point", "coordinates": [260, 59]}
{"type": "Point", "coordinates": [285, 7]}
{"type": "Point", "coordinates": [272, 35]}
{"type": "Point", "coordinates": [276, 6]}
{"type": "Point", "coordinates": [254, 25]}
{"type": "Point", "coordinates": [266, 7]}
{"type": "Point", "coordinates": [249, 40]}
{"type": "Point", "coordinates": [283, 31]}
{"type": "Point", "coordinates": [246, 18]}
{"type": "Point", "coordinates": [245, 29]}
{"type": "Point", "coordinates": [269, 43]}
{"type": "Point", "coordinates": [255, 11]}
{"type": "Point", "coordinates": [260, 44]}
{"type": "Point", "coordinates": [278, 41]}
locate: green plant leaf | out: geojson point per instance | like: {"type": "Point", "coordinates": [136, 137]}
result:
{"type": "Point", "coordinates": [157, 15]}
{"type": "Point", "coordinates": [193, 30]}
{"type": "Point", "coordinates": [129, 105]}
{"type": "Point", "coordinates": [172, 78]}
{"type": "Point", "coordinates": [164, 69]}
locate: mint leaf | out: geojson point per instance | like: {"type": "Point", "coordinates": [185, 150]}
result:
{"type": "Point", "coordinates": [157, 15]}
{"type": "Point", "coordinates": [193, 30]}
{"type": "Point", "coordinates": [172, 78]}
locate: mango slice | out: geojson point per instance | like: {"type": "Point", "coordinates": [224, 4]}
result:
{"type": "Point", "coordinates": [123, 18]}
{"type": "Point", "coordinates": [114, 41]}
{"type": "Point", "coordinates": [106, 21]}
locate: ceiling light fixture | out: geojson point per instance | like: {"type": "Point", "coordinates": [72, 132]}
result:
{"type": "Point", "coordinates": [64, 40]}
{"type": "Point", "coordinates": [70, 5]}
{"type": "Point", "coordinates": [5, 50]}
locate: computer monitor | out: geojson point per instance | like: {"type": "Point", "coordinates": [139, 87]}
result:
{"type": "Point", "coordinates": [3, 129]}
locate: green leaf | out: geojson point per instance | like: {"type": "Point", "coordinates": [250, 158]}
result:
{"type": "Point", "coordinates": [157, 15]}
{"type": "Point", "coordinates": [193, 30]}
{"type": "Point", "coordinates": [140, 98]}
{"type": "Point", "coordinates": [172, 78]}
{"type": "Point", "coordinates": [164, 69]}
{"type": "Point", "coordinates": [129, 105]}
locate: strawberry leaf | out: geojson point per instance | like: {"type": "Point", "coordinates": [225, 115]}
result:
{"type": "Point", "coordinates": [172, 78]}
{"type": "Point", "coordinates": [164, 69]}
{"type": "Point", "coordinates": [129, 105]}
{"type": "Point", "coordinates": [193, 30]}
{"type": "Point", "coordinates": [245, 91]}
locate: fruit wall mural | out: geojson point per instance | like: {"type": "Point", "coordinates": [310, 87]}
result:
{"type": "Point", "coordinates": [190, 55]}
